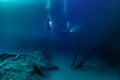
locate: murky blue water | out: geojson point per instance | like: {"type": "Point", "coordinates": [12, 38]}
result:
{"type": "Point", "coordinates": [57, 27]}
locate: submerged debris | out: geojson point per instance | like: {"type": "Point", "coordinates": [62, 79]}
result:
{"type": "Point", "coordinates": [75, 56]}
{"type": "Point", "coordinates": [6, 55]}
{"type": "Point", "coordinates": [84, 58]}
{"type": "Point", "coordinates": [50, 67]}
{"type": "Point", "coordinates": [38, 71]}
{"type": "Point", "coordinates": [24, 66]}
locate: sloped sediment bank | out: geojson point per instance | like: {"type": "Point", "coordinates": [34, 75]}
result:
{"type": "Point", "coordinates": [25, 66]}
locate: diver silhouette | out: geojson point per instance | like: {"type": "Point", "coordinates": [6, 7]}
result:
{"type": "Point", "coordinates": [49, 23]}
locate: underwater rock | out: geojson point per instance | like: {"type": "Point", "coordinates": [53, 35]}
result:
{"type": "Point", "coordinates": [6, 55]}
{"type": "Point", "coordinates": [25, 66]}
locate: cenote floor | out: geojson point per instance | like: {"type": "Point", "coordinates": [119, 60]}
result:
{"type": "Point", "coordinates": [66, 73]}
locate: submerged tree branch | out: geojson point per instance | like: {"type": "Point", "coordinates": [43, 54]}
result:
{"type": "Point", "coordinates": [75, 56]}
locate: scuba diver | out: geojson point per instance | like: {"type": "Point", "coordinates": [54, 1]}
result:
{"type": "Point", "coordinates": [49, 23]}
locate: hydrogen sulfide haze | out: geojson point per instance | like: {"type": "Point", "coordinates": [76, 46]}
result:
{"type": "Point", "coordinates": [82, 36]}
